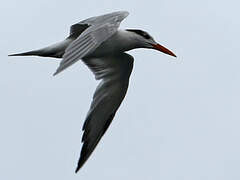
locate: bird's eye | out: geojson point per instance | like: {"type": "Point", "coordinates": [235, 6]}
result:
{"type": "Point", "coordinates": [146, 36]}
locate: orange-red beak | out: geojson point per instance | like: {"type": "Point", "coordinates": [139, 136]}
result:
{"type": "Point", "coordinates": [163, 49]}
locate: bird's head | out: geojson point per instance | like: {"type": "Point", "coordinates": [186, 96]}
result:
{"type": "Point", "coordinates": [144, 40]}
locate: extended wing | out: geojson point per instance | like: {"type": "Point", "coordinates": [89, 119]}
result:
{"type": "Point", "coordinates": [101, 28]}
{"type": "Point", "coordinates": [81, 26]}
{"type": "Point", "coordinates": [114, 71]}
{"type": "Point", "coordinates": [115, 16]}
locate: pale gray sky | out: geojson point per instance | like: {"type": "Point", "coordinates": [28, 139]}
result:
{"type": "Point", "coordinates": [179, 120]}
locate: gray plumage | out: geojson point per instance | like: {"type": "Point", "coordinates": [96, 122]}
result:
{"type": "Point", "coordinates": [99, 43]}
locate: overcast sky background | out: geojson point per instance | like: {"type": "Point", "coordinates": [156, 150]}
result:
{"type": "Point", "coordinates": [179, 120]}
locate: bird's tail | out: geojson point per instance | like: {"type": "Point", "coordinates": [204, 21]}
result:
{"type": "Point", "coordinates": [30, 53]}
{"type": "Point", "coordinates": [56, 50]}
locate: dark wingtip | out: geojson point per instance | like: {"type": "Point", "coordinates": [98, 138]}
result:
{"type": "Point", "coordinates": [77, 169]}
{"type": "Point", "coordinates": [83, 158]}
{"type": "Point", "coordinates": [55, 73]}
{"type": "Point", "coordinates": [58, 71]}
{"type": "Point", "coordinates": [80, 164]}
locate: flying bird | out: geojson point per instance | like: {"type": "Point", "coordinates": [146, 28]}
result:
{"type": "Point", "coordinates": [99, 43]}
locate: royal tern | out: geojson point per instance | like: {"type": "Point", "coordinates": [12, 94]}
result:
{"type": "Point", "coordinates": [99, 43]}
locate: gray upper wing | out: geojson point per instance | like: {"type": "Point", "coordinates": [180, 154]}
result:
{"type": "Point", "coordinates": [114, 71]}
{"type": "Point", "coordinates": [116, 16]}
{"type": "Point", "coordinates": [78, 28]}
{"type": "Point", "coordinates": [101, 28]}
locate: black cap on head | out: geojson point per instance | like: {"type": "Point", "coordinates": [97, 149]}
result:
{"type": "Point", "coordinates": [140, 32]}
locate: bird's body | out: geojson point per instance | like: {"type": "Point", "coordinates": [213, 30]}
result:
{"type": "Point", "coordinates": [125, 42]}
{"type": "Point", "coordinates": [99, 43]}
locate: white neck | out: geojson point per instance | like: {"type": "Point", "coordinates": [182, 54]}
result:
{"type": "Point", "coordinates": [120, 42]}
{"type": "Point", "coordinates": [125, 40]}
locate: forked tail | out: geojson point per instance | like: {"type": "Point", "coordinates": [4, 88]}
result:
{"type": "Point", "coordinates": [56, 50]}
{"type": "Point", "coordinates": [30, 53]}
